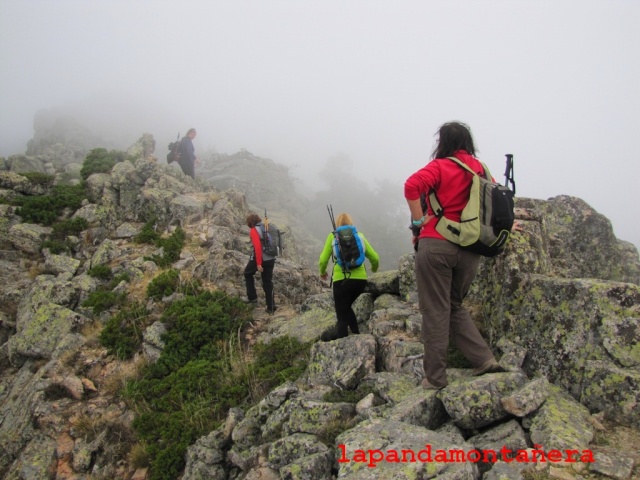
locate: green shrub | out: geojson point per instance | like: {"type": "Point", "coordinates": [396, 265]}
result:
{"type": "Point", "coordinates": [148, 233]}
{"type": "Point", "coordinates": [102, 300]}
{"type": "Point", "coordinates": [69, 196]}
{"type": "Point", "coordinates": [121, 277]}
{"type": "Point", "coordinates": [284, 358]}
{"type": "Point", "coordinates": [45, 209]}
{"type": "Point", "coordinates": [56, 246]}
{"type": "Point", "coordinates": [171, 245]}
{"type": "Point", "coordinates": [122, 334]}
{"type": "Point", "coordinates": [164, 284]}
{"type": "Point", "coordinates": [171, 248]}
{"type": "Point", "coordinates": [99, 160]}
{"type": "Point", "coordinates": [40, 209]}
{"type": "Point", "coordinates": [189, 390]}
{"type": "Point", "coordinates": [101, 272]}
{"type": "Point", "coordinates": [196, 324]}
{"type": "Point", "coordinates": [38, 178]}
{"type": "Point", "coordinates": [168, 283]}
{"type": "Point", "coordinates": [72, 226]}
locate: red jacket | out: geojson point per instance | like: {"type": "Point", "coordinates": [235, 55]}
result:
{"type": "Point", "coordinates": [451, 184]}
{"type": "Point", "coordinates": [257, 245]}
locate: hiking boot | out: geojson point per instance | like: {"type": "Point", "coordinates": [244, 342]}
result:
{"type": "Point", "coordinates": [271, 311]}
{"type": "Point", "coordinates": [428, 386]}
{"type": "Point", "coordinates": [490, 366]}
{"type": "Point", "coordinates": [330, 335]}
{"type": "Point", "coordinates": [250, 302]}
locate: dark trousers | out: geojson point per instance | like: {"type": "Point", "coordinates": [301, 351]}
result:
{"type": "Point", "coordinates": [345, 292]}
{"type": "Point", "coordinates": [267, 280]}
{"type": "Point", "coordinates": [187, 167]}
{"type": "Point", "coordinates": [444, 273]}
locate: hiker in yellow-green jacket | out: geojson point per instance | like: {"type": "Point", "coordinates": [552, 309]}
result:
{"type": "Point", "coordinates": [348, 283]}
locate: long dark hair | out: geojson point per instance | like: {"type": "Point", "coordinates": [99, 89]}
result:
{"type": "Point", "coordinates": [453, 136]}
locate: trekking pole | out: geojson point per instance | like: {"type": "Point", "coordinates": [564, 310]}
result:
{"type": "Point", "coordinates": [508, 173]}
{"type": "Point", "coordinates": [333, 224]}
{"type": "Point", "coordinates": [330, 210]}
{"type": "Point", "coordinates": [267, 237]}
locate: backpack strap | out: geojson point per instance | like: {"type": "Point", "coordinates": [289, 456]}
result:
{"type": "Point", "coordinates": [487, 173]}
{"type": "Point", "coordinates": [436, 206]}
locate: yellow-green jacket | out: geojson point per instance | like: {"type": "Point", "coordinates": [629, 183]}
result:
{"type": "Point", "coordinates": [355, 273]}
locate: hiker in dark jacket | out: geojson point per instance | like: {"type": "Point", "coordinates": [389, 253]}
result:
{"type": "Point", "coordinates": [188, 159]}
{"type": "Point", "coordinates": [259, 261]}
{"type": "Point", "coordinates": [444, 271]}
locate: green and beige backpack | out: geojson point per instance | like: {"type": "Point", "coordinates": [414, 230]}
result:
{"type": "Point", "coordinates": [486, 220]}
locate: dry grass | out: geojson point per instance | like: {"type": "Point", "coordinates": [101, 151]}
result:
{"type": "Point", "coordinates": [138, 456]}
{"type": "Point", "coordinates": [69, 358]}
{"type": "Point", "coordinates": [138, 290]}
{"type": "Point", "coordinates": [115, 380]}
{"type": "Point", "coordinates": [35, 270]}
{"type": "Point", "coordinates": [91, 331]}
{"type": "Point", "coordinates": [87, 427]}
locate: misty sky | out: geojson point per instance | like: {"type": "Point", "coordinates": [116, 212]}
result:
{"type": "Point", "coordinates": [556, 83]}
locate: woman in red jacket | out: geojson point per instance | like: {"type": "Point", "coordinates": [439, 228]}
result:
{"type": "Point", "coordinates": [259, 262]}
{"type": "Point", "coordinates": [444, 271]}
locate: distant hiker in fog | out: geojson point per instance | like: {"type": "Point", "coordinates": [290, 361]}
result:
{"type": "Point", "coordinates": [188, 160]}
{"type": "Point", "coordinates": [348, 248]}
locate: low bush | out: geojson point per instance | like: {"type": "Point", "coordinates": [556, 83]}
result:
{"type": "Point", "coordinates": [171, 245]}
{"type": "Point", "coordinates": [188, 391]}
{"type": "Point", "coordinates": [171, 248]}
{"type": "Point", "coordinates": [121, 277]}
{"type": "Point", "coordinates": [38, 178]}
{"type": "Point", "coordinates": [72, 226]}
{"type": "Point", "coordinates": [195, 325]}
{"type": "Point", "coordinates": [56, 246]}
{"type": "Point", "coordinates": [164, 284]}
{"type": "Point", "coordinates": [99, 160]}
{"type": "Point", "coordinates": [169, 282]}
{"type": "Point", "coordinates": [148, 233]}
{"type": "Point", "coordinates": [122, 334]}
{"type": "Point", "coordinates": [40, 209]}
{"type": "Point", "coordinates": [290, 362]}
{"type": "Point", "coordinates": [45, 209]}
{"type": "Point", "coordinates": [102, 300]}
{"type": "Point", "coordinates": [101, 272]}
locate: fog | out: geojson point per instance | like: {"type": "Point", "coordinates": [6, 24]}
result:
{"type": "Point", "coordinates": [555, 83]}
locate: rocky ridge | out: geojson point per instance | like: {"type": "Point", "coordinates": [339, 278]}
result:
{"type": "Point", "coordinates": [561, 307]}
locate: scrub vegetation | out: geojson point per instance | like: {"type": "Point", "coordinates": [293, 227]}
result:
{"type": "Point", "coordinates": [203, 371]}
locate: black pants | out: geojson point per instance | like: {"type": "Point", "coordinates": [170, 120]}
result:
{"type": "Point", "coordinates": [187, 168]}
{"type": "Point", "coordinates": [267, 280]}
{"type": "Point", "coordinates": [345, 292]}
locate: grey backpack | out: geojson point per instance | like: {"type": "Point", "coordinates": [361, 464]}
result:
{"type": "Point", "coordinates": [270, 238]}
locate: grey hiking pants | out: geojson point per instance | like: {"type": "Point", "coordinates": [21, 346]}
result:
{"type": "Point", "coordinates": [444, 273]}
